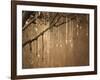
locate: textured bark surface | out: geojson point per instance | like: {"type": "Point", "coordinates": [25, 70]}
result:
{"type": "Point", "coordinates": [55, 40]}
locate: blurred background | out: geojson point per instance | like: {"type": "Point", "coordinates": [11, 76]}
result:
{"type": "Point", "coordinates": [52, 39]}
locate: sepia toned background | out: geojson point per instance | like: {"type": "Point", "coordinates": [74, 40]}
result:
{"type": "Point", "coordinates": [52, 39]}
